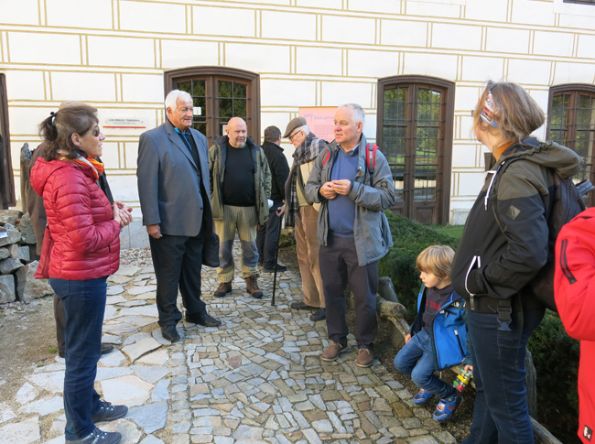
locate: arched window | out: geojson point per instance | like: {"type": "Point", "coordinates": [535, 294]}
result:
{"type": "Point", "coordinates": [571, 122]}
{"type": "Point", "coordinates": [7, 196]}
{"type": "Point", "coordinates": [218, 94]}
{"type": "Point", "coordinates": [415, 115]}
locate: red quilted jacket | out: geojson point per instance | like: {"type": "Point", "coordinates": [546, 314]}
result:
{"type": "Point", "coordinates": [574, 284]}
{"type": "Point", "coordinates": [82, 240]}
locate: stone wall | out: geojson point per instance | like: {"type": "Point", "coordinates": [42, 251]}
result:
{"type": "Point", "coordinates": [17, 259]}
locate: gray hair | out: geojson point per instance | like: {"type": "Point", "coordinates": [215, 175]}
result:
{"type": "Point", "coordinates": [171, 100]}
{"type": "Point", "coordinates": [358, 112]}
{"type": "Point", "coordinates": [304, 128]}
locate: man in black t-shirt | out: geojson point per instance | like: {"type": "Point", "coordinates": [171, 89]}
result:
{"type": "Point", "coordinates": [241, 185]}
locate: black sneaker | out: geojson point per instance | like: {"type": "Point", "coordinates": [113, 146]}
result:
{"type": "Point", "coordinates": [106, 348]}
{"type": "Point", "coordinates": [301, 306]}
{"type": "Point", "coordinates": [271, 269]}
{"type": "Point", "coordinates": [170, 333]}
{"type": "Point", "coordinates": [204, 319]}
{"type": "Point", "coordinates": [318, 315]}
{"type": "Point", "coordinates": [109, 412]}
{"type": "Point", "coordinates": [98, 437]}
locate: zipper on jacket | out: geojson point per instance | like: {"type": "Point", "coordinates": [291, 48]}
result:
{"type": "Point", "coordinates": [471, 267]}
{"type": "Point", "coordinates": [564, 262]}
{"type": "Point", "coordinates": [492, 180]}
{"type": "Point", "coordinates": [461, 349]}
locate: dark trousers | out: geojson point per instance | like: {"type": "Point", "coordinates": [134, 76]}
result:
{"type": "Point", "coordinates": [500, 413]}
{"type": "Point", "coordinates": [84, 306]}
{"type": "Point", "coordinates": [267, 237]}
{"type": "Point", "coordinates": [60, 322]}
{"type": "Point", "coordinates": [177, 261]}
{"type": "Point", "coordinates": [339, 269]}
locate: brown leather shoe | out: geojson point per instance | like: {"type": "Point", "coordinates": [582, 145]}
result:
{"type": "Point", "coordinates": [332, 351]}
{"type": "Point", "coordinates": [222, 289]}
{"type": "Point", "coordinates": [364, 357]}
{"type": "Point", "coordinates": [252, 287]}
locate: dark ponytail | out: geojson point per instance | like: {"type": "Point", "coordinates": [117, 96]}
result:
{"type": "Point", "coordinates": [47, 128]}
{"type": "Point", "coordinates": [58, 128]}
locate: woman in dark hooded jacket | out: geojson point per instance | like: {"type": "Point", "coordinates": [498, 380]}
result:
{"type": "Point", "coordinates": [504, 245]}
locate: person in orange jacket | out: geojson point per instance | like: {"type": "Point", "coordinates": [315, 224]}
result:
{"type": "Point", "coordinates": [574, 286]}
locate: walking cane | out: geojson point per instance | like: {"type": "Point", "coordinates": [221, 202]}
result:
{"type": "Point", "coordinates": [276, 258]}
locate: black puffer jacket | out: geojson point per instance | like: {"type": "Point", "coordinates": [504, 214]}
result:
{"type": "Point", "coordinates": [496, 261]}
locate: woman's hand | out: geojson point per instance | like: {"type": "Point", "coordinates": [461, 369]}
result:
{"type": "Point", "coordinates": [117, 215]}
{"type": "Point", "coordinates": [407, 338]}
{"type": "Point", "coordinates": [125, 213]}
{"type": "Point", "coordinates": [122, 213]}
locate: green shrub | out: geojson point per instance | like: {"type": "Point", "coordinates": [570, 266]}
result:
{"type": "Point", "coordinates": [555, 356]}
{"type": "Point", "coordinates": [399, 264]}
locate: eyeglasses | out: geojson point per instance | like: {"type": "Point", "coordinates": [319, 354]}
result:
{"type": "Point", "coordinates": [185, 110]}
{"type": "Point", "coordinates": [291, 136]}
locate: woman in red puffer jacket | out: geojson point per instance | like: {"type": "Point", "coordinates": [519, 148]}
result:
{"type": "Point", "coordinates": [574, 285]}
{"type": "Point", "coordinates": [81, 248]}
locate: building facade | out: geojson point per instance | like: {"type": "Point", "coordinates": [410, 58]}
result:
{"type": "Point", "coordinates": [416, 66]}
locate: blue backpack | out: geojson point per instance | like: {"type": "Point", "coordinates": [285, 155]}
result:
{"type": "Point", "coordinates": [448, 332]}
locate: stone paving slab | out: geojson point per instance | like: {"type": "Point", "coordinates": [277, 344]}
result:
{"type": "Point", "coordinates": [256, 379]}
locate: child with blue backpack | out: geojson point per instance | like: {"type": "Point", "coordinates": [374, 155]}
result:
{"type": "Point", "coordinates": [438, 336]}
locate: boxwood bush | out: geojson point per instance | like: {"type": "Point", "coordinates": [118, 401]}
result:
{"type": "Point", "coordinates": [555, 355]}
{"type": "Point", "coordinates": [399, 264]}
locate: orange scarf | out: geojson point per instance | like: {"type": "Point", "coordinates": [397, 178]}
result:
{"type": "Point", "coordinates": [96, 166]}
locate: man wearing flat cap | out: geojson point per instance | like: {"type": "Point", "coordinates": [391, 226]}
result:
{"type": "Point", "coordinates": [303, 216]}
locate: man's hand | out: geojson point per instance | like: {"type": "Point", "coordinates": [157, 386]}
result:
{"type": "Point", "coordinates": [154, 231]}
{"type": "Point", "coordinates": [342, 186]}
{"type": "Point", "coordinates": [327, 191]}
{"type": "Point", "coordinates": [407, 338]}
{"type": "Point", "coordinates": [281, 210]}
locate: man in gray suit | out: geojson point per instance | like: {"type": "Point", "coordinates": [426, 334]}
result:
{"type": "Point", "coordinates": [174, 189]}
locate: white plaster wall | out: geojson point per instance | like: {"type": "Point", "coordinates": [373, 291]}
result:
{"type": "Point", "coordinates": [224, 21]}
{"type": "Point", "coordinates": [152, 17]}
{"type": "Point", "coordinates": [456, 36]}
{"type": "Point", "coordinates": [286, 25]}
{"type": "Point", "coordinates": [44, 48]}
{"type": "Point", "coordinates": [321, 61]}
{"type": "Point", "coordinates": [182, 53]}
{"type": "Point", "coordinates": [121, 51]}
{"type": "Point", "coordinates": [24, 85]}
{"type": "Point", "coordinates": [308, 53]}
{"type": "Point", "coordinates": [258, 58]}
{"type": "Point", "coordinates": [79, 14]}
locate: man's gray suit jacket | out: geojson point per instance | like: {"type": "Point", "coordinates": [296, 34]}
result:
{"type": "Point", "coordinates": [168, 180]}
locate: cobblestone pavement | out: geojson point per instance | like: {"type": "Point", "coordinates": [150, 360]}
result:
{"type": "Point", "coordinates": [257, 378]}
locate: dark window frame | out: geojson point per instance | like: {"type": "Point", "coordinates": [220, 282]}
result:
{"type": "Point", "coordinates": [444, 152]}
{"type": "Point", "coordinates": [223, 73]}
{"type": "Point", "coordinates": [7, 191]}
{"type": "Point", "coordinates": [573, 89]}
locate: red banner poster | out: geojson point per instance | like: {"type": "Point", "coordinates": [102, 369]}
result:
{"type": "Point", "coordinates": [320, 120]}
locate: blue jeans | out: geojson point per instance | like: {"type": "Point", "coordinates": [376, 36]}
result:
{"type": "Point", "coordinates": [416, 359]}
{"type": "Point", "coordinates": [501, 413]}
{"type": "Point", "coordinates": [84, 306]}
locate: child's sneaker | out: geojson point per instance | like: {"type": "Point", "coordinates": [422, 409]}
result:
{"type": "Point", "coordinates": [422, 397]}
{"type": "Point", "coordinates": [446, 407]}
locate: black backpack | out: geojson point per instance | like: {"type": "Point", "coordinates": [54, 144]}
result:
{"type": "Point", "coordinates": [565, 202]}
